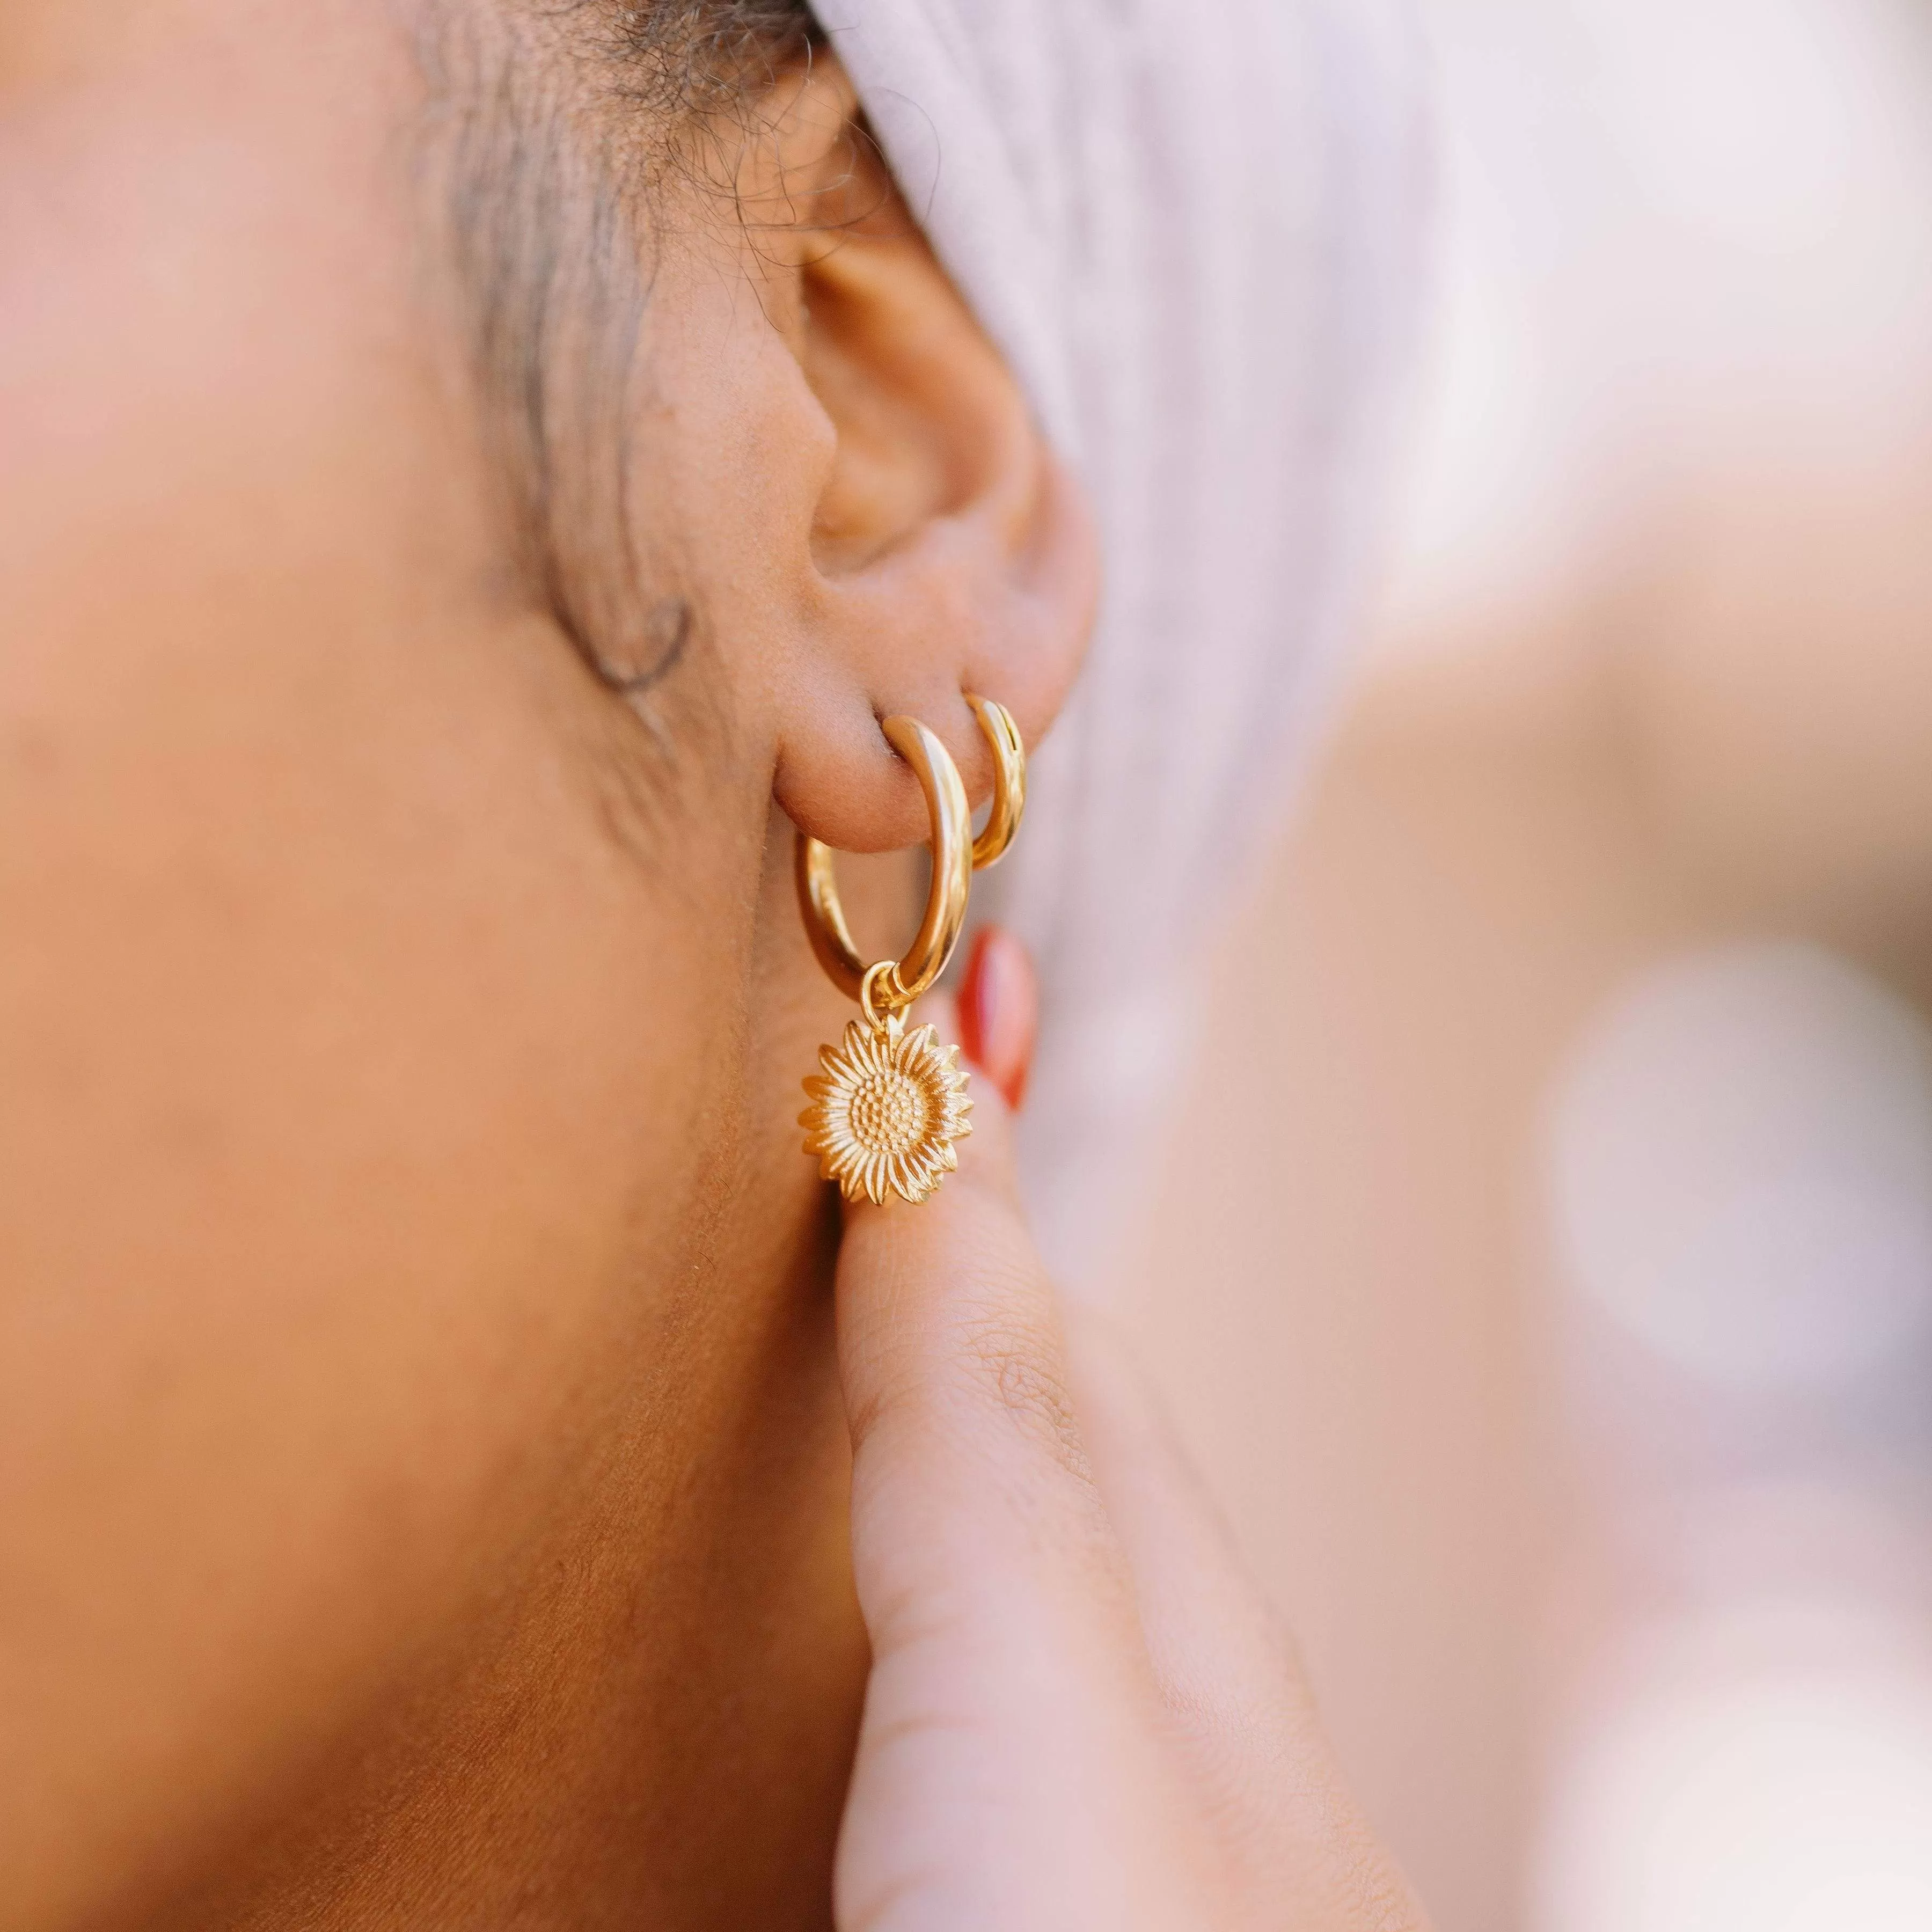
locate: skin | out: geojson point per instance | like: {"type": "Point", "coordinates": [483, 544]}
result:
{"type": "Point", "coordinates": [425, 1467]}
{"type": "Point", "coordinates": [1080, 1711]}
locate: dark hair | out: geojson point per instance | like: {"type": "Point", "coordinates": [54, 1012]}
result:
{"type": "Point", "coordinates": [705, 55]}
{"type": "Point", "coordinates": [554, 124]}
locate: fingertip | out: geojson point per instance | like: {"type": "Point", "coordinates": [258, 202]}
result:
{"type": "Point", "coordinates": [999, 1012]}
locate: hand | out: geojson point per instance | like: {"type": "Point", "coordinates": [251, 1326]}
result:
{"type": "Point", "coordinates": [1081, 1713]}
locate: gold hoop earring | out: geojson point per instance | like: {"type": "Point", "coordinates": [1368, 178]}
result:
{"type": "Point", "coordinates": [888, 1106]}
{"type": "Point", "coordinates": [1003, 735]}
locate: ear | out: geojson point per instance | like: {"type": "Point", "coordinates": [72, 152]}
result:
{"type": "Point", "coordinates": [950, 550]}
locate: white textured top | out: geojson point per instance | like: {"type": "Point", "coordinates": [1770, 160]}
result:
{"type": "Point", "coordinates": [1191, 227]}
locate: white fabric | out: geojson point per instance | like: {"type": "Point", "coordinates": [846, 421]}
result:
{"type": "Point", "coordinates": [1191, 227]}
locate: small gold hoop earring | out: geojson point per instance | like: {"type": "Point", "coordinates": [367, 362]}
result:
{"type": "Point", "coordinates": [1003, 735]}
{"type": "Point", "coordinates": [887, 1105]}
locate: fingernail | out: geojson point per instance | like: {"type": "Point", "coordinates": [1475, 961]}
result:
{"type": "Point", "coordinates": [999, 1012]}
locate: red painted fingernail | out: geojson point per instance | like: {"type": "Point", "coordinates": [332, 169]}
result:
{"type": "Point", "coordinates": [999, 1011]}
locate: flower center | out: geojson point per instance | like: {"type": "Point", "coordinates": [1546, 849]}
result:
{"type": "Point", "coordinates": [888, 1112]}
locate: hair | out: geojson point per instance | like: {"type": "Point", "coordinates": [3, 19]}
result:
{"type": "Point", "coordinates": [555, 125]}
{"type": "Point", "coordinates": [700, 57]}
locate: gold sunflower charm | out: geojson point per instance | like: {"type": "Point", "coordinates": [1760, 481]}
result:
{"type": "Point", "coordinates": [886, 1111]}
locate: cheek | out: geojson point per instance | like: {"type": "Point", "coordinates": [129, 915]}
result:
{"type": "Point", "coordinates": [351, 1071]}
{"type": "Point", "coordinates": [350, 1067]}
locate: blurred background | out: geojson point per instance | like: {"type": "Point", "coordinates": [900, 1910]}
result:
{"type": "Point", "coordinates": [1543, 1264]}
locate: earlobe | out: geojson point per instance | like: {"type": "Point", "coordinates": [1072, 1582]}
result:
{"type": "Point", "coordinates": [951, 609]}
{"type": "Point", "coordinates": [950, 551]}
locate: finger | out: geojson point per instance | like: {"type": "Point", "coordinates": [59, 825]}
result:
{"type": "Point", "coordinates": [999, 1012]}
{"type": "Point", "coordinates": [1228, 1673]}
{"type": "Point", "coordinates": [1011, 1702]}
{"type": "Point", "coordinates": [953, 1358]}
